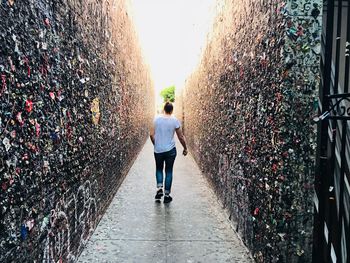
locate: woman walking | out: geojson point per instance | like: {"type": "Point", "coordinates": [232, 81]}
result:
{"type": "Point", "coordinates": [162, 137]}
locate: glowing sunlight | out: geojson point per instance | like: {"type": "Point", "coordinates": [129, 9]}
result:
{"type": "Point", "coordinates": [171, 35]}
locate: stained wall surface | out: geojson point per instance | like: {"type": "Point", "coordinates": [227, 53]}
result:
{"type": "Point", "coordinates": [248, 112]}
{"type": "Point", "coordinates": [76, 102]}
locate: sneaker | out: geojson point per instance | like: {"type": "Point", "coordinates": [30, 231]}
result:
{"type": "Point", "coordinates": [159, 194]}
{"type": "Point", "coordinates": [168, 199]}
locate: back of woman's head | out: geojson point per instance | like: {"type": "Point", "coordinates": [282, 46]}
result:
{"type": "Point", "coordinates": [168, 107]}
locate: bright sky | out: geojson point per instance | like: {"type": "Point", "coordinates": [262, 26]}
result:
{"type": "Point", "coordinates": [171, 34]}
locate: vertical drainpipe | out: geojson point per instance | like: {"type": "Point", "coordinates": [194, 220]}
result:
{"type": "Point", "coordinates": [322, 176]}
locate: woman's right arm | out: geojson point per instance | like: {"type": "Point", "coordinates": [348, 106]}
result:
{"type": "Point", "coordinates": [182, 140]}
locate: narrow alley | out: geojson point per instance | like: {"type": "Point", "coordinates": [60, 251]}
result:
{"type": "Point", "coordinates": [259, 88]}
{"type": "Point", "coordinates": [192, 228]}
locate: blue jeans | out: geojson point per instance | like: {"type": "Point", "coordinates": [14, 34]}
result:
{"type": "Point", "coordinates": [168, 158]}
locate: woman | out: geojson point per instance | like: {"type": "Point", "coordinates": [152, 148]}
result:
{"type": "Point", "coordinates": [162, 137]}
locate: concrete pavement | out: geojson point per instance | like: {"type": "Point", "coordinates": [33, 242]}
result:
{"type": "Point", "coordinates": [192, 228]}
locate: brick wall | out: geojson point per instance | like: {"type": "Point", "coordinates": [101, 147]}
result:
{"type": "Point", "coordinates": [248, 111]}
{"type": "Point", "coordinates": [76, 101]}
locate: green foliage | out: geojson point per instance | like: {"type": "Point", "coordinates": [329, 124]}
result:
{"type": "Point", "coordinates": [168, 94]}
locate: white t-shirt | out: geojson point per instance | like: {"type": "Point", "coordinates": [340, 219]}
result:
{"type": "Point", "coordinates": [164, 129]}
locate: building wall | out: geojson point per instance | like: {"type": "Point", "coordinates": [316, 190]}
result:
{"type": "Point", "coordinates": [76, 103]}
{"type": "Point", "coordinates": [248, 111]}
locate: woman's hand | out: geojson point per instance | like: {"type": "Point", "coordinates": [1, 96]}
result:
{"type": "Point", "coordinates": [184, 152]}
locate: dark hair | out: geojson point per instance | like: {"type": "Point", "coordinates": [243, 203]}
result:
{"type": "Point", "coordinates": [168, 107]}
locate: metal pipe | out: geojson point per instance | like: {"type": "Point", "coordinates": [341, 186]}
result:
{"type": "Point", "coordinates": [321, 184]}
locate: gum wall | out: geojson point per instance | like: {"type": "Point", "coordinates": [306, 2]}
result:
{"type": "Point", "coordinates": [76, 102]}
{"type": "Point", "coordinates": [247, 112]}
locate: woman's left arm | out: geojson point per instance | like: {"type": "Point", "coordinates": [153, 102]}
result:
{"type": "Point", "coordinates": [151, 134]}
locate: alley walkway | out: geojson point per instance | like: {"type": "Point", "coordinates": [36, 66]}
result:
{"type": "Point", "coordinates": [190, 229]}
